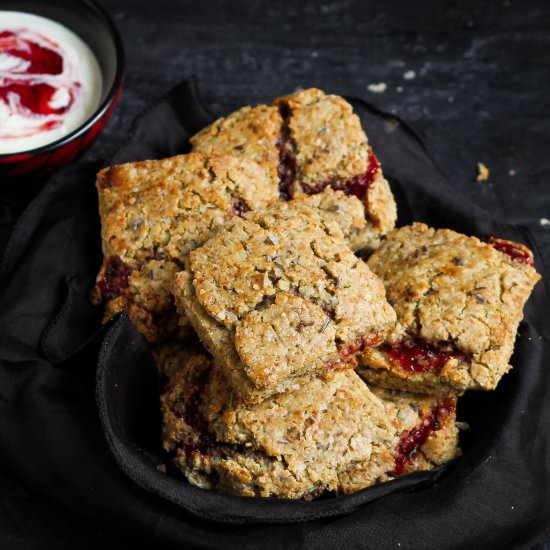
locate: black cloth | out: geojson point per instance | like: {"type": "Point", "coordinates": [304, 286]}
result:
{"type": "Point", "coordinates": [79, 415]}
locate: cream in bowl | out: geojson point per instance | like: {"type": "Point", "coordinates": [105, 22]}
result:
{"type": "Point", "coordinates": [50, 81]}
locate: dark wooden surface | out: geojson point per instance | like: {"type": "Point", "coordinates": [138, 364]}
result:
{"type": "Point", "coordinates": [480, 92]}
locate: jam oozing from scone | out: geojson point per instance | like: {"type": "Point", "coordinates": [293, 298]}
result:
{"type": "Point", "coordinates": [193, 418]}
{"type": "Point", "coordinates": [357, 185]}
{"type": "Point", "coordinates": [516, 251]}
{"type": "Point", "coordinates": [347, 354]}
{"type": "Point", "coordinates": [410, 442]}
{"type": "Point", "coordinates": [239, 207]}
{"type": "Point", "coordinates": [419, 356]}
{"type": "Point", "coordinates": [203, 441]}
{"type": "Point", "coordinates": [115, 278]}
{"type": "Point", "coordinates": [287, 161]}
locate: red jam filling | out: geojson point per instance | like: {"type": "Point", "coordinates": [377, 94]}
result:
{"type": "Point", "coordinates": [192, 416]}
{"type": "Point", "coordinates": [115, 278]}
{"type": "Point", "coordinates": [418, 356]}
{"type": "Point", "coordinates": [286, 171]}
{"type": "Point", "coordinates": [203, 441]}
{"type": "Point", "coordinates": [239, 208]}
{"type": "Point", "coordinates": [347, 354]}
{"type": "Point", "coordinates": [357, 186]}
{"type": "Point", "coordinates": [515, 252]}
{"type": "Point", "coordinates": [29, 95]}
{"type": "Point", "coordinates": [410, 442]}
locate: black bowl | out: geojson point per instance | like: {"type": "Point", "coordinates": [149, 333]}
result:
{"type": "Point", "coordinates": [88, 20]}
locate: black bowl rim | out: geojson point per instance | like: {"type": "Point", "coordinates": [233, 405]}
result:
{"type": "Point", "coordinates": [103, 106]}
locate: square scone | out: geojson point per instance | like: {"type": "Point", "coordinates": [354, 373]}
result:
{"type": "Point", "coordinates": [306, 142]}
{"type": "Point", "coordinates": [333, 435]}
{"type": "Point", "coordinates": [278, 298]}
{"type": "Point", "coordinates": [152, 214]}
{"type": "Point", "coordinates": [459, 302]}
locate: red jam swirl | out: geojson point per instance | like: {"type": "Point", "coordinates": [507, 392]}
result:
{"type": "Point", "coordinates": [40, 60]}
{"type": "Point", "coordinates": [419, 356]}
{"type": "Point", "coordinates": [26, 89]}
{"type": "Point", "coordinates": [410, 442]}
{"type": "Point", "coordinates": [357, 185]}
{"type": "Point", "coordinates": [514, 250]}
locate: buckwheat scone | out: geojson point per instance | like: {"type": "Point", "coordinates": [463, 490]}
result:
{"type": "Point", "coordinates": [277, 297]}
{"type": "Point", "coordinates": [156, 211]}
{"type": "Point", "coordinates": [306, 142]}
{"type": "Point", "coordinates": [333, 435]}
{"type": "Point", "coordinates": [458, 302]}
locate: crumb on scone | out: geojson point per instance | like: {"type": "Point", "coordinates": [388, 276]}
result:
{"type": "Point", "coordinates": [459, 302]}
{"type": "Point", "coordinates": [333, 435]}
{"type": "Point", "coordinates": [156, 211]}
{"type": "Point", "coordinates": [277, 297]}
{"type": "Point", "coordinates": [308, 141]}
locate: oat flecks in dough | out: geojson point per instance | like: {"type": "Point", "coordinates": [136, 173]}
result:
{"type": "Point", "coordinates": [450, 290]}
{"type": "Point", "coordinates": [153, 213]}
{"type": "Point", "coordinates": [333, 435]}
{"type": "Point", "coordinates": [232, 285]}
{"type": "Point", "coordinates": [306, 141]}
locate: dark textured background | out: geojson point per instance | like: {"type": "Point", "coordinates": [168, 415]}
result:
{"type": "Point", "coordinates": [481, 92]}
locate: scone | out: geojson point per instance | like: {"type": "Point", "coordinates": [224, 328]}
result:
{"type": "Point", "coordinates": [152, 214]}
{"type": "Point", "coordinates": [458, 302]}
{"type": "Point", "coordinates": [278, 298]}
{"type": "Point", "coordinates": [306, 142]}
{"type": "Point", "coordinates": [333, 435]}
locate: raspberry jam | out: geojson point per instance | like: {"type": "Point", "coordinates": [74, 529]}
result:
{"type": "Point", "coordinates": [203, 441]}
{"type": "Point", "coordinates": [50, 81]}
{"type": "Point", "coordinates": [346, 355]}
{"type": "Point", "coordinates": [287, 162]}
{"type": "Point", "coordinates": [357, 186]}
{"type": "Point", "coordinates": [115, 278]}
{"type": "Point", "coordinates": [515, 251]}
{"type": "Point", "coordinates": [239, 208]}
{"type": "Point", "coordinates": [410, 442]}
{"type": "Point", "coordinates": [419, 356]}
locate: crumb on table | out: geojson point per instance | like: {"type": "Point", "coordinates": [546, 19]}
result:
{"type": "Point", "coordinates": [482, 172]}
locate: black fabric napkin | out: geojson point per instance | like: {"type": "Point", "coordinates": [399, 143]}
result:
{"type": "Point", "coordinates": [79, 410]}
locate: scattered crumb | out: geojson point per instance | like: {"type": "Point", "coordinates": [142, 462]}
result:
{"type": "Point", "coordinates": [544, 221]}
{"type": "Point", "coordinates": [377, 88]}
{"type": "Point", "coordinates": [399, 89]}
{"type": "Point", "coordinates": [162, 468]}
{"type": "Point", "coordinates": [482, 172]}
{"type": "Point", "coordinates": [512, 172]}
{"type": "Point", "coordinates": [464, 426]}
{"type": "Point", "coordinates": [409, 75]}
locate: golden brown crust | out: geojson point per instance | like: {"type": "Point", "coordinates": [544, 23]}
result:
{"type": "Point", "coordinates": [333, 435]}
{"type": "Point", "coordinates": [450, 291]}
{"type": "Point", "coordinates": [307, 141]}
{"type": "Point", "coordinates": [153, 213]}
{"type": "Point", "coordinates": [326, 136]}
{"type": "Point", "coordinates": [285, 274]}
{"type": "Point", "coordinates": [251, 133]}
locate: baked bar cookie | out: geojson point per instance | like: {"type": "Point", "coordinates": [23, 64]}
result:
{"type": "Point", "coordinates": [458, 302]}
{"type": "Point", "coordinates": [306, 142]}
{"type": "Point", "coordinates": [152, 214]}
{"type": "Point", "coordinates": [277, 297]}
{"type": "Point", "coordinates": [333, 435]}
